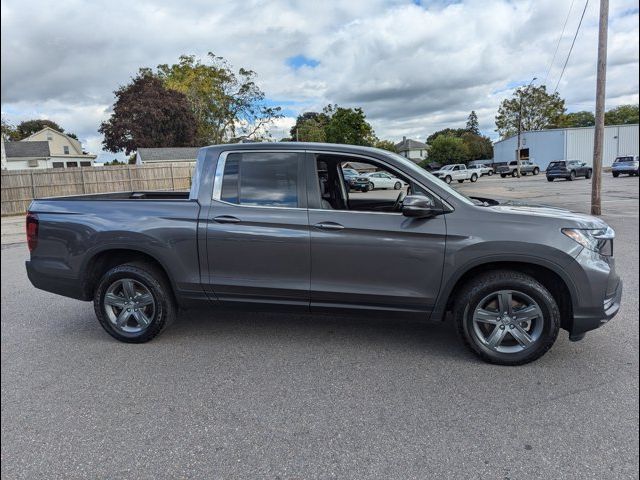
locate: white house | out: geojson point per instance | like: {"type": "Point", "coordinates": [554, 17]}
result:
{"type": "Point", "coordinates": [46, 148]}
{"type": "Point", "coordinates": [412, 149]}
{"type": "Point", "coordinates": [544, 146]}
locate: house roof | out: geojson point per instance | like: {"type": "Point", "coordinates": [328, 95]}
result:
{"type": "Point", "coordinates": [409, 144]}
{"type": "Point", "coordinates": [168, 154]}
{"type": "Point", "coordinates": [26, 149]}
{"type": "Point", "coordinates": [361, 166]}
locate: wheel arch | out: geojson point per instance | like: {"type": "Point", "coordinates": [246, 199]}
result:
{"type": "Point", "coordinates": [551, 276]}
{"type": "Point", "coordinates": [103, 260]}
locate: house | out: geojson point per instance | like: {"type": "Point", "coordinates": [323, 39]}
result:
{"type": "Point", "coordinates": [545, 146]}
{"type": "Point", "coordinates": [360, 167]}
{"type": "Point", "coordinates": [412, 149]}
{"type": "Point", "coordinates": [46, 148]}
{"type": "Point", "coordinates": [166, 154]}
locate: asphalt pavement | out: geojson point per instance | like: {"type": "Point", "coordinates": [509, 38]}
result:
{"type": "Point", "coordinates": [255, 395]}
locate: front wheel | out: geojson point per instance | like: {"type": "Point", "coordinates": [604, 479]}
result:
{"type": "Point", "coordinates": [549, 179]}
{"type": "Point", "coordinates": [447, 179]}
{"type": "Point", "coordinates": [507, 317]}
{"type": "Point", "coordinates": [474, 178]}
{"type": "Point", "coordinates": [503, 175]}
{"type": "Point", "coordinates": [615, 174]}
{"type": "Point", "coordinates": [587, 175]}
{"type": "Point", "coordinates": [134, 302]}
{"type": "Point", "coordinates": [490, 173]}
{"type": "Point", "coordinates": [514, 173]}
{"type": "Point", "coordinates": [397, 186]}
{"type": "Point", "coordinates": [369, 187]}
{"type": "Point", "coordinates": [536, 171]}
{"type": "Point", "coordinates": [572, 176]}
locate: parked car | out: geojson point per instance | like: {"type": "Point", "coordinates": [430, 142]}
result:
{"type": "Point", "coordinates": [568, 169]}
{"type": "Point", "coordinates": [258, 229]}
{"type": "Point", "coordinates": [432, 166]}
{"type": "Point", "coordinates": [376, 180]}
{"type": "Point", "coordinates": [629, 164]}
{"type": "Point", "coordinates": [511, 168]}
{"type": "Point", "coordinates": [457, 171]}
{"type": "Point", "coordinates": [481, 169]}
{"type": "Point", "coordinates": [350, 176]}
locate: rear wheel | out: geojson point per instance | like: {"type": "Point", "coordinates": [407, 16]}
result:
{"type": "Point", "coordinates": [503, 175]}
{"type": "Point", "coordinates": [572, 176]}
{"type": "Point", "coordinates": [507, 317]}
{"type": "Point", "coordinates": [514, 173]}
{"type": "Point", "coordinates": [134, 302]}
{"type": "Point", "coordinates": [490, 172]}
{"type": "Point", "coordinates": [615, 174]}
{"type": "Point", "coordinates": [536, 171]}
{"type": "Point", "coordinates": [549, 179]}
{"type": "Point", "coordinates": [460, 181]}
{"type": "Point", "coordinates": [587, 175]}
{"type": "Point", "coordinates": [474, 177]}
{"type": "Point", "coordinates": [447, 179]}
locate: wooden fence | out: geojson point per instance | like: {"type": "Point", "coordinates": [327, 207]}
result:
{"type": "Point", "coordinates": [19, 187]}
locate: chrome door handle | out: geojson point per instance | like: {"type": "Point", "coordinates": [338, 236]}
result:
{"type": "Point", "coordinates": [328, 226]}
{"type": "Point", "coordinates": [226, 219]}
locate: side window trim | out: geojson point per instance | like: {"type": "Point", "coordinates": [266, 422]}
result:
{"type": "Point", "coordinates": [216, 194]}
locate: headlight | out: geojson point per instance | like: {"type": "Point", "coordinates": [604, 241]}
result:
{"type": "Point", "coordinates": [598, 240]}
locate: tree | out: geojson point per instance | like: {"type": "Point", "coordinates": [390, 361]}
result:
{"type": "Point", "coordinates": [386, 145]}
{"type": "Point", "coordinates": [310, 127]}
{"type": "Point", "coordinates": [114, 162]}
{"type": "Point", "coordinates": [447, 149]}
{"type": "Point", "coordinates": [622, 115]}
{"type": "Point", "coordinates": [146, 114]}
{"type": "Point", "coordinates": [534, 107]}
{"type": "Point", "coordinates": [8, 131]}
{"type": "Point", "coordinates": [348, 125]}
{"type": "Point", "coordinates": [472, 123]}
{"type": "Point", "coordinates": [478, 146]}
{"type": "Point", "coordinates": [449, 132]}
{"type": "Point", "coordinates": [225, 104]}
{"type": "Point", "coordinates": [578, 119]}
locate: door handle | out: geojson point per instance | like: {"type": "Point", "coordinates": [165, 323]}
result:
{"type": "Point", "coordinates": [328, 226]}
{"type": "Point", "coordinates": [226, 219]}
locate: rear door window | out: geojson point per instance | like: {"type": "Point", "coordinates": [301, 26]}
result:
{"type": "Point", "coordinates": [262, 179]}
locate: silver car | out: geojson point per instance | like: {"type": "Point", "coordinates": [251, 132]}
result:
{"type": "Point", "coordinates": [627, 164]}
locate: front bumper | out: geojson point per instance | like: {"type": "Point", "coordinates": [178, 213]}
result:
{"type": "Point", "coordinates": [598, 296]}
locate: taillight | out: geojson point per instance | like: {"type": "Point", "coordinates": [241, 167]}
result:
{"type": "Point", "coordinates": [32, 231]}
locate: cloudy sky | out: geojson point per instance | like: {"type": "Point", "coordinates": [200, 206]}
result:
{"type": "Point", "coordinates": [413, 66]}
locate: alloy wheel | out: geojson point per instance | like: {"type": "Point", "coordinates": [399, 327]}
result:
{"type": "Point", "coordinates": [508, 321]}
{"type": "Point", "coordinates": [129, 306]}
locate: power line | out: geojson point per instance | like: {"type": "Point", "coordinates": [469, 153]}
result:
{"type": "Point", "coordinates": [572, 44]}
{"type": "Point", "coordinates": [558, 44]}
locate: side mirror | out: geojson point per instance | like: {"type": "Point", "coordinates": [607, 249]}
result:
{"type": "Point", "coordinates": [420, 206]}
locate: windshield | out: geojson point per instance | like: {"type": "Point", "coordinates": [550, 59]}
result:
{"type": "Point", "coordinates": [447, 167]}
{"type": "Point", "coordinates": [421, 171]}
{"type": "Point", "coordinates": [624, 159]}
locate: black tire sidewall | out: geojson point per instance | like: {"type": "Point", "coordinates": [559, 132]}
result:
{"type": "Point", "coordinates": [476, 291]}
{"type": "Point", "coordinates": [165, 309]}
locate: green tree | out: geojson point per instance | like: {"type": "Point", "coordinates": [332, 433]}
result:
{"type": "Point", "coordinates": [310, 127]}
{"type": "Point", "coordinates": [386, 145]}
{"type": "Point", "coordinates": [447, 149]}
{"type": "Point", "coordinates": [146, 114]}
{"type": "Point", "coordinates": [534, 107]}
{"type": "Point", "coordinates": [447, 132]}
{"type": "Point", "coordinates": [622, 115]}
{"type": "Point", "coordinates": [348, 125]}
{"type": "Point", "coordinates": [114, 162]}
{"type": "Point", "coordinates": [578, 119]}
{"type": "Point", "coordinates": [8, 130]}
{"type": "Point", "coordinates": [226, 104]}
{"type": "Point", "coordinates": [478, 146]}
{"type": "Point", "coordinates": [472, 123]}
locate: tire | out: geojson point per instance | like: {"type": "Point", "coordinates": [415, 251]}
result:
{"type": "Point", "coordinates": [490, 173]}
{"type": "Point", "coordinates": [514, 173]}
{"type": "Point", "coordinates": [536, 171]}
{"type": "Point", "coordinates": [572, 176]}
{"type": "Point", "coordinates": [397, 186]}
{"type": "Point", "coordinates": [524, 174]}
{"type": "Point", "coordinates": [370, 186]}
{"type": "Point", "coordinates": [474, 177]}
{"type": "Point", "coordinates": [447, 179]}
{"type": "Point", "coordinates": [503, 175]}
{"type": "Point", "coordinates": [541, 328]}
{"type": "Point", "coordinates": [460, 181]}
{"type": "Point", "coordinates": [587, 175]}
{"type": "Point", "coordinates": [549, 179]}
{"type": "Point", "coordinates": [149, 284]}
{"type": "Point", "coordinates": [615, 174]}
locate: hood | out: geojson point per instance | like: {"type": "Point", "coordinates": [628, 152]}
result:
{"type": "Point", "coordinates": [571, 219]}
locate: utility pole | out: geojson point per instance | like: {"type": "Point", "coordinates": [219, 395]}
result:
{"type": "Point", "coordinates": [596, 183]}
{"type": "Point", "coordinates": [522, 94]}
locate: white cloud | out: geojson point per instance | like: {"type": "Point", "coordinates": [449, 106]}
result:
{"type": "Point", "coordinates": [413, 69]}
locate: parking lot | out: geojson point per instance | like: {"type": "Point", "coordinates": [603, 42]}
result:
{"type": "Point", "coordinates": [267, 395]}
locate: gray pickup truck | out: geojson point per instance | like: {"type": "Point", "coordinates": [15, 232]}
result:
{"type": "Point", "coordinates": [274, 225]}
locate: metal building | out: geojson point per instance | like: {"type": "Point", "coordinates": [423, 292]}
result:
{"type": "Point", "coordinates": [545, 146]}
